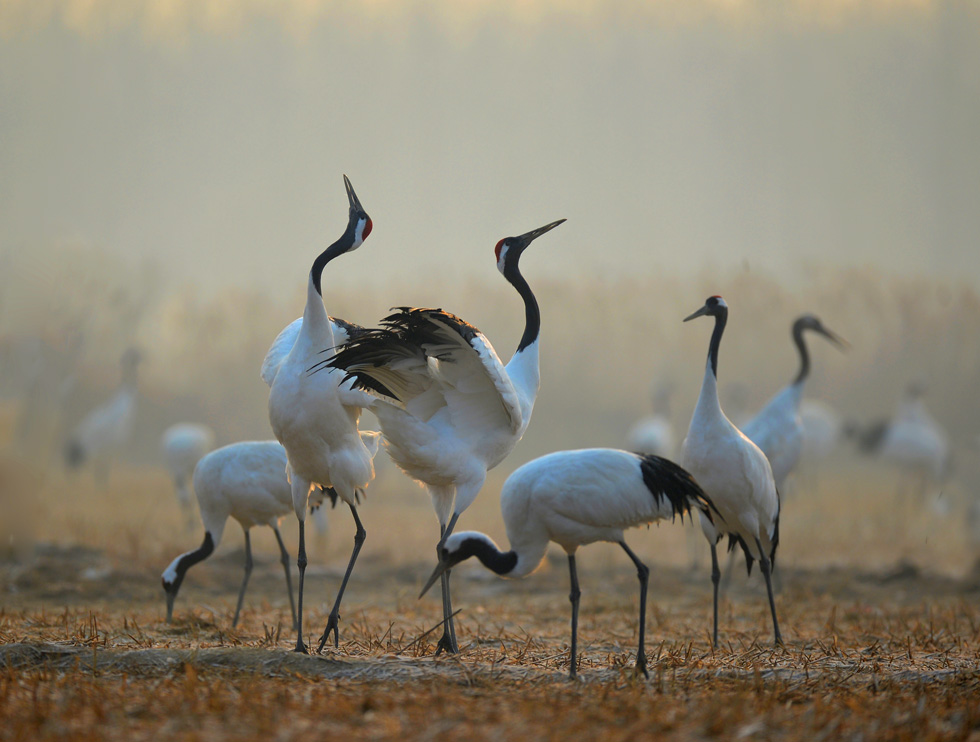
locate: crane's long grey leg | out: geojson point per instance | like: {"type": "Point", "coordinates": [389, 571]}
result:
{"type": "Point", "coordinates": [573, 596]}
{"type": "Point", "coordinates": [447, 642]}
{"type": "Point", "coordinates": [715, 579]}
{"type": "Point", "coordinates": [248, 573]}
{"type": "Point", "coordinates": [284, 558]}
{"type": "Point", "coordinates": [301, 563]}
{"type": "Point", "coordinates": [726, 579]}
{"type": "Point", "coordinates": [333, 620]}
{"type": "Point", "coordinates": [764, 564]}
{"type": "Point", "coordinates": [643, 572]}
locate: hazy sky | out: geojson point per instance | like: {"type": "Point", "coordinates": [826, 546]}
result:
{"type": "Point", "coordinates": [673, 135]}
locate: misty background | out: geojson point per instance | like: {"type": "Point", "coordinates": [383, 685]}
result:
{"type": "Point", "coordinates": [169, 170]}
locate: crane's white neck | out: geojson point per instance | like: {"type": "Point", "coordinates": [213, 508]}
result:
{"type": "Point", "coordinates": [708, 406]}
{"type": "Point", "coordinates": [524, 372]}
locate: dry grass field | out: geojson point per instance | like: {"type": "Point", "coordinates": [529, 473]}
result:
{"type": "Point", "coordinates": [881, 616]}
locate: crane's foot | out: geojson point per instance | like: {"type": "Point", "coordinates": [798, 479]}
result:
{"type": "Point", "coordinates": [447, 645]}
{"type": "Point", "coordinates": [300, 647]}
{"type": "Point", "coordinates": [333, 623]}
{"type": "Point", "coordinates": [641, 668]}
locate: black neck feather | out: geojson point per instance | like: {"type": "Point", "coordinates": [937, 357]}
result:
{"type": "Point", "coordinates": [191, 558]}
{"type": "Point", "coordinates": [721, 318]}
{"type": "Point", "coordinates": [337, 248]}
{"type": "Point", "coordinates": [804, 354]}
{"type": "Point", "coordinates": [501, 562]}
{"type": "Point", "coordinates": [532, 316]}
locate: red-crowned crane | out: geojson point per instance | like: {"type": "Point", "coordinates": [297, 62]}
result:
{"type": "Point", "coordinates": [912, 440]}
{"type": "Point", "coordinates": [245, 481]}
{"type": "Point", "coordinates": [314, 416]}
{"type": "Point", "coordinates": [576, 498]}
{"type": "Point", "coordinates": [778, 428]}
{"type": "Point", "coordinates": [449, 409]}
{"type": "Point", "coordinates": [733, 472]}
{"type": "Point", "coordinates": [106, 428]}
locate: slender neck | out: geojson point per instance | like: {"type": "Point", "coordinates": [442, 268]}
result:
{"type": "Point", "coordinates": [501, 562]}
{"type": "Point", "coordinates": [804, 355]}
{"type": "Point", "coordinates": [186, 561]}
{"type": "Point", "coordinates": [720, 320]}
{"type": "Point", "coordinates": [532, 317]}
{"type": "Point", "coordinates": [337, 248]}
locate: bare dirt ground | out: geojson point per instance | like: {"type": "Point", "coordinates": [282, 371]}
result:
{"type": "Point", "coordinates": [881, 621]}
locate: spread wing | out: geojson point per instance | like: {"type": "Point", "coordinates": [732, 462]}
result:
{"type": "Point", "coordinates": [424, 360]}
{"type": "Point", "coordinates": [343, 331]}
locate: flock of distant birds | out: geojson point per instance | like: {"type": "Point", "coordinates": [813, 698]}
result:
{"type": "Point", "coordinates": [450, 410]}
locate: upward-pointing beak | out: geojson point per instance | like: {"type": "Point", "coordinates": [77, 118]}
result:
{"type": "Point", "coordinates": [436, 574]}
{"type": "Point", "coordinates": [528, 237]}
{"type": "Point", "coordinates": [700, 313]}
{"type": "Point", "coordinates": [355, 203]}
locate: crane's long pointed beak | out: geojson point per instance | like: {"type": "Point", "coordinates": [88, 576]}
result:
{"type": "Point", "coordinates": [529, 237]}
{"type": "Point", "coordinates": [352, 198]}
{"type": "Point", "coordinates": [835, 338]}
{"type": "Point", "coordinates": [700, 313]}
{"type": "Point", "coordinates": [170, 607]}
{"type": "Point", "coordinates": [436, 574]}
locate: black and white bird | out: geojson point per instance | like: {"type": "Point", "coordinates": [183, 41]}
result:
{"type": "Point", "coordinates": [183, 445]}
{"type": "Point", "coordinates": [912, 440]}
{"type": "Point", "coordinates": [576, 498]}
{"type": "Point", "coordinates": [735, 474]}
{"type": "Point", "coordinates": [245, 481]}
{"type": "Point", "coordinates": [104, 430]}
{"type": "Point", "coordinates": [314, 415]}
{"type": "Point", "coordinates": [778, 427]}
{"type": "Point", "coordinates": [449, 409]}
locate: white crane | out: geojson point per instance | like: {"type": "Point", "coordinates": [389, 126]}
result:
{"type": "Point", "coordinates": [183, 446]}
{"type": "Point", "coordinates": [449, 409]}
{"type": "Point", "coordinates": [315, 416]}
{"type": "Point", "coordinates": [654, 433]}
{"type": "Point", "coordinates": [106, 428]}
{"type": "Point", "coordinates": [734, 473]}
{"type": "Point", "coordinates": [912, 439]}
{"type": "Point", "coordinates": [576, 498]}
{"type": "Point", "coordinates": [778, 428]}
{"type": "Point", "coordinates": [245, 481]}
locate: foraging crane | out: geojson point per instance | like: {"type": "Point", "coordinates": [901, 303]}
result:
{"type": "Point", "coordinates": [778, 428]}
{"type": "Point", "coordinates": [449, 409]}
{"type": "Point", "coordinates": [183, 446]}
{"type": "Point", "coordinates": [315, 416]}
{"type": "Point", "coordinates": [735, 474]}
{"type": "Point", "coordinates": [245, 481]}
{"type": "Point", "coordinates": [107, 427]}
{"type": "Point", "coordinates": [576, 498]}
{"type": "Point", "coordinates": [654, 434]}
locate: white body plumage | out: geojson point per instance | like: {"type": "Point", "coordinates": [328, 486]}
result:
{"type": "Point", "coordinates": [245, 481]}
{"type": "Point", "coordinates": [733, 471]}
{"type": "Point", "coordinates": [574, 498]}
